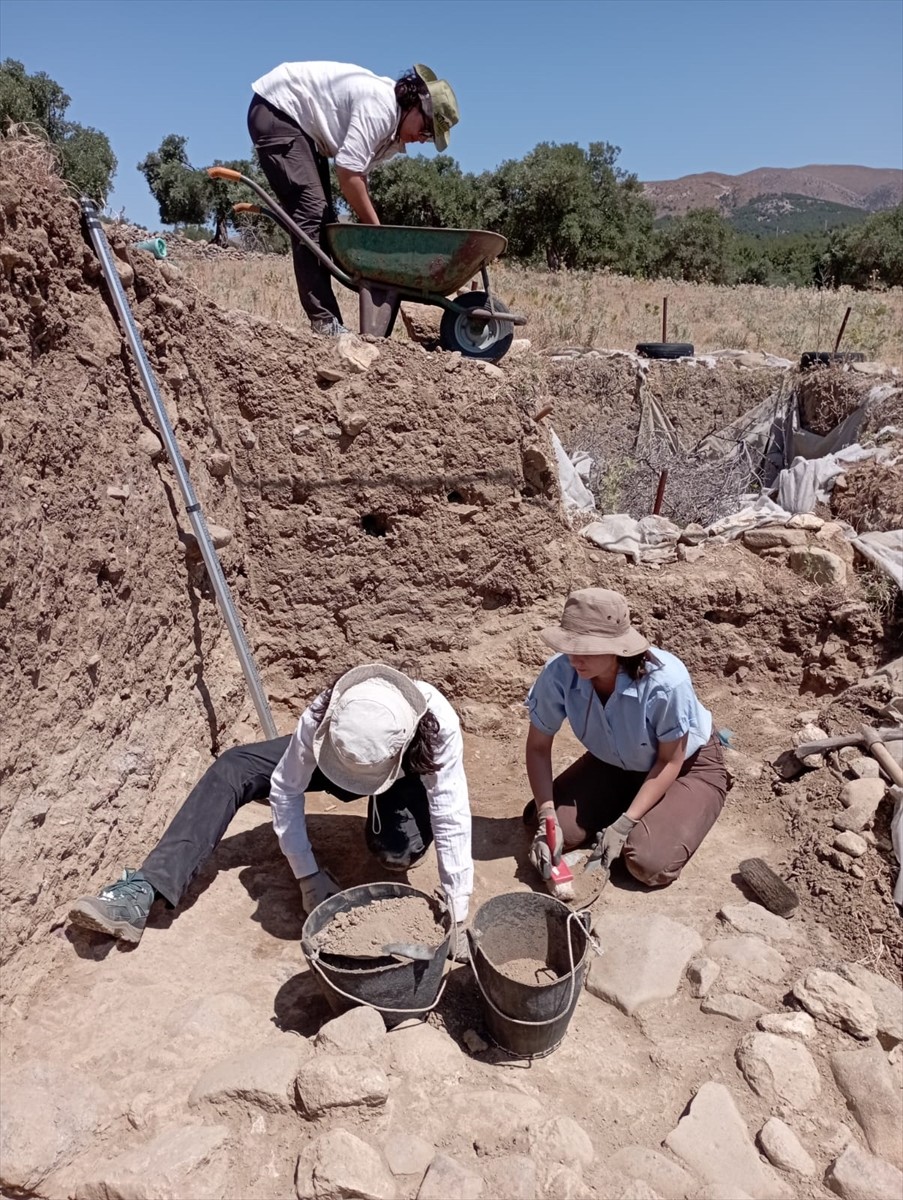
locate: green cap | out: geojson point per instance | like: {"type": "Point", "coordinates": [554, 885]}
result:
{"type": "Point", "coordinates": [441, 106]}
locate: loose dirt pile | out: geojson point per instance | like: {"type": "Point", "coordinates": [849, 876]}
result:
{"type": "Point", "coordinates": [829, 395]}
{"type": "Point", "coordinates": [871, 496]}
{"type": "Point", "coordinates": [364, 931]}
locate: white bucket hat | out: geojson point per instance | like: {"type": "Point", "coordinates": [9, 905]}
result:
{"type": "Point", "coordinates": [372, 716]}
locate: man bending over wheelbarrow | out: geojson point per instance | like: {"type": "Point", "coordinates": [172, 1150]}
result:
{"type": "Point", "coordinates": [374, 733]}
{"type": "Point", "coordinates": [305, 113]}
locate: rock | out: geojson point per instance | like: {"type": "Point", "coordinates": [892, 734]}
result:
{"type": "Point", "coordinates": [564, 1184]}
{"type": "Point", "coordinates": [643, 962]}
{"type": "Point", "coordinates": [340, 1081]}
{"type": "Point", "coordinates": [148, 443]}
{"type": "Point", "coordinates": [330, 374]}
{"type": "Point", "coordinates": [247, 437]}
{"type": "Point", "coordinates": [357, 1031]}
{"type": "Point", "coordinates": [448, 1178]}
{"type": "Point", "coordinates": [831, 998]}
{"type": "Point", "coordinates": [818, 566]}
{"type": "Point", "coordinates": [702, 973]}
{"type": "Point", "coordinates": [263, 1077]}
{"type": "Point", "coordinates": [692, 535]}
{"type": "Point", "coordinates": [851, 843]}
{"type": "Point", "coordinates": [863, 768]}
{"type": "Point", "coordinates": [423, 1050]}
{"type": "Point", "coordinates": [549, 1140]}
{"type": "Point", "coordinates": [219, 465]}
{"type": "Point", "coordinates": [519, 346]}
{"type": "Point", "coordinates": [474, 1043]}
{"type": "Point", "coordinates": [862, 791]}
{"type": "Point", "coordinates": [493, 371]}
{"type": "Point", "coordinates": [736, 1008]}
{"type": "Point", "coordinates": [779, 1069]}
{"type": "Point", "coordinates": [357, 356]}
{"type": "Point", "coordinates": [180, 1161]}
{"type": "Point", "coordinates": [887, 999]}
{"type": "Point", "coordinates": [741, 766]}
{"type": "Point", "coordinates": [408, 1154]}
{"type": "Point", "coordinates": [770, 537]}
{"type": "Point", "coordinates": [490, 1116]}
{"type": "Point", "coordinates": [712, 1139]}
{"type": "Point", "coordinates": [783, 1148]}
{"type": "Point", "coordinates": [513, 1176]}
{"type": "Point", "coordinates": [807, 521]}
{"type": "Point", "coordinates": [857, 1175]}
{"type": "Point", "coordinates": [810, 732]}
{"type": "Point", "coordinates": [635, 1189]}
{"type": "Point", "coordinates": [750, 954]}
{"type": "Point", "coordinates": [690, 554]}
{"type": "Point", "coordinates": [119, 491]}
{"type": "Point", "coordinates": [789, 1024]}
{"type": "Point", "coordinates": [758, 921]}
{"type": "Point", "coordinates": [354, 423]}
{"type": "Point", "coordinates": [664, 1176]}
{"type": "Point", "coordinates": [49, 1115]}
{"type": "Point", "coordinates": [339, 1165]}
{"type": "Point", "coordinates": [869, 1088]}
{"type": "Point", "coordinates": [857, 818]}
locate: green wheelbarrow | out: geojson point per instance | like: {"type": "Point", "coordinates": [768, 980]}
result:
{"type": "Point", "coordinates": [386, 264]}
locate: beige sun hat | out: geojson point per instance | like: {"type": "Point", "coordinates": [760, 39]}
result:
{"type": "Point", "coordinates": [372, 716]}
{"type": "Point", "coordinates": [440, 105]}
{"type": "Point", "coordinates": [595, 621]}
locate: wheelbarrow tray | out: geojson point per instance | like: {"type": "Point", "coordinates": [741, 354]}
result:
{"type": "Point", "coordinates": [414, 259]}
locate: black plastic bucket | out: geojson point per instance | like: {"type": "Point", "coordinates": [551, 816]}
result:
{"type": "Point", "coordinates": [528, 1019]}
{"type": "Point", "coordinates": [397, 988]}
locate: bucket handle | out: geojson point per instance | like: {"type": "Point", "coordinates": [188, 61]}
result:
{"type": "Point", "coordinates": [380, 1008]}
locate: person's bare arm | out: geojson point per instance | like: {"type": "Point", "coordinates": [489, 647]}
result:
{"type": "Point", "coordinates": [539, 767]}
{"type": "Point", "coordinates": [354, 189]}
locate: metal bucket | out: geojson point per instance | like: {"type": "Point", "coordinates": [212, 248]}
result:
{"type": "Point", "coordinates": [528, 1019]}
{"type": "Point", "coordinates": [396, 988]}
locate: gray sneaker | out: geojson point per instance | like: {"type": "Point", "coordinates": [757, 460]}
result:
{"type": "Point", "coordinates": [121, 909]}
{"type": "Point", "coordinates": [329, 327]}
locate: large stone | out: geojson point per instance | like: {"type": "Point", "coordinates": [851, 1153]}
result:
{"type": "Point", "coordinates": [356, 356]}
{"type": "Point", "coordinates": [448, 1178]}
{"type": "Point", "coordinates": [862, 791]}
{"type": "Point", "coordinates": [758, 921]}
{"type": "Point", "coordinates": [665, 1177]}
{"type": "Point", "coordinates": [551, 1140]}
{"type": "Point", "coordinates": [779, 1069]}
{"type": "Point", "coordinates": [735, 1008]}
{"type": "Point", "coordinates": [358, 1031]}
{"type": "Point", "coordinates": [340, 1081]}
{"type": "Point", "coordinates": [856, 818]}
{"type": "Point", "coordinates": [49, 1115]}
{"type": "Point", "coordinates": [263, 1078]}
{"type": "Point", "coordinates": [858, 1175]}
{"type": "Point", "coordinates": [339, 1165]}
{"type": "Point", "coordinates": [490, 1116]}
{"type": "Point", "coordinates": [771, 537]}
{"type": "Point", "coordinates": [887, 999]}
{"type": "Point", "coordinates": [422, 1050]}
{"type": "Point", "coordinates": [701, 975]}
{"type": "Point", "coordinates": [712, 1139]}
{"type": "Point", "coordinates": [818, 566]}
{"type": "Point", "coordinates": [783, 1148]}
{"type": "Point", "coordinates": [832, 998]}
{"type": "Point", "coordinates": [408, 1154]}
{"type": "Point", "coordinates": [180, 1161]}
{"type": "Point", "coordinates": [790, 1024]}
{"type": "Point", "coordinates": [513, 1176]}
{"type": "Point", "coordinates": [867, 1083]}
{"type": "Point", "coordinates": [851, 843]}
{"type": "Point", "coordinates": [751, 955]}
{"type": "Point", "coordinates": [643, 962]}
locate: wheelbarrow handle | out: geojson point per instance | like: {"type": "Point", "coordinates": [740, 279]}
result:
{"type": "Point", "coordinates": [244, 207]}
{"type": "Point", "coordinates": [224, 173]}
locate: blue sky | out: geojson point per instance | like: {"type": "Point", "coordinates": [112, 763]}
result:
{"type": "Point", "coordinates": [680, 85]}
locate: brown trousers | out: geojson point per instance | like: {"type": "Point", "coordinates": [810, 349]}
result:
{"type": "Point", "coordinates": [666, 838]}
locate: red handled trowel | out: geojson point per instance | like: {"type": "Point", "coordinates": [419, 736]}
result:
{"type": "Point", "coordinates": [560, 872]}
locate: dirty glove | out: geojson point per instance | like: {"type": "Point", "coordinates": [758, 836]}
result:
{"type": "Point", "coordinates": [316, 888]}
{"type": "Point", "coordinates": [611, 840]}
{"type": "Point", "coordinates": [458, 948]}
{"type": "Point", "coordinates": [544, 856]}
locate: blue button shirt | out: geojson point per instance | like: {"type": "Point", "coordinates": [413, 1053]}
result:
{"type": "Point", "coordinates": [661, 706]}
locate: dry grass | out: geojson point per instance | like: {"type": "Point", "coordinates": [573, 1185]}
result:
{"type": "Point", "coordinates": [613, 311]}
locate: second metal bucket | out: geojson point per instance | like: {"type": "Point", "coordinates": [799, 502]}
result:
{"type": "Point", "coordinates": [528, 1019]}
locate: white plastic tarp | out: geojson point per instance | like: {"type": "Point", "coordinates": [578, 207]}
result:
{"type": "Point", "coordinates": [647, 540]}
{"type": "Point", "coordinates": [576, 495]}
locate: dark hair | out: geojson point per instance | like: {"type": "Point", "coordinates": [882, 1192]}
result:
{"type": "Point", "coordinates": [409, 91]}
{"type": "Point", "coordinates": [635, 665]}
{"type": "Point", "coordinates": [422, 752]}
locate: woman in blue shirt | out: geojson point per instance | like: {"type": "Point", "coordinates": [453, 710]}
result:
{"type": "Point", "coordinates": [653, 780]}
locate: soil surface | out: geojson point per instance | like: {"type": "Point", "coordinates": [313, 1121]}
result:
{"type": "Point", "coordinates": [366, 930]}
{"type": "Point", "coordinates": [529, 970]}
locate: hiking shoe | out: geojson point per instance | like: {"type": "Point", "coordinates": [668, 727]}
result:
{"type": "Point", "coordinates": [329, 327]}
{"type": "Point", "coordinates": [121, 909]}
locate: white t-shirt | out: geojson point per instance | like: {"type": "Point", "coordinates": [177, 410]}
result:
{"type": "Point", "coordinates": [349, 112]}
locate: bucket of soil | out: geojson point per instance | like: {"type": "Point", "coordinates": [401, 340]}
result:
{"type": "Point", "coordinates": [345, 938]}
{"type": "Point", "coordinates": [528, 954]}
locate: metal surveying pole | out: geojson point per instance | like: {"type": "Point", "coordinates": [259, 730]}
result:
{"type": "Point", "coordinates": [192, 506]}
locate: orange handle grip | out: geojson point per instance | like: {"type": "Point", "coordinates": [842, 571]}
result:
{"type": "Point", "coordinates": [244, 207]}
{"type": "Point", "coordinates": [224, 173]}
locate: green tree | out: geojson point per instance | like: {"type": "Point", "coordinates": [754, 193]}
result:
{"type": "Point", "coordinates": [697, 247]}
{"type": "Point", "coordinates": [424, 191]}
{"type": "Point", "coordinates": [86, 158]}
{"type": "Point", "coordinates": [869, 254]}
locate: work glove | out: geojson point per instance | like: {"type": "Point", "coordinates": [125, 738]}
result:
{"type": "Point", "coordinates": [316, 888]}
{"type": "Point", "coordinates": [544, 855]}
{"type": "Point", "coordinates": [611, 840]}
{"type": "Point", "coordinates": [458, 948]}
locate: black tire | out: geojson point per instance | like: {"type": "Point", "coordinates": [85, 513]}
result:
{"type": "Point", "coordinates": [769, 887]}
{"type": "Point", "coordinates": [665, 349]}
{"type": "Point", "coordinates": [489, 340]}
{"type": "Point", "coordinates": [824, 358]}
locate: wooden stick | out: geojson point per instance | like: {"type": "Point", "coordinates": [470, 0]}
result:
{"type": "Point", "coordinates": [843, 325]}
{"type": "Point", "coordinates": [882, 755]}
{"type": "Point", "coordinates": [543, 412]}
{"type": "Point", "coordinates": [893, 734]}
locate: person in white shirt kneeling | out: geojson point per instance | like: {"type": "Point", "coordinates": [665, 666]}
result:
{"type": "Point", "coordinates": [374, 733]}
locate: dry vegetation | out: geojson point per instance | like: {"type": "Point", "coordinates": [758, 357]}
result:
{"type": "Point", "coordinates": [614, 311]}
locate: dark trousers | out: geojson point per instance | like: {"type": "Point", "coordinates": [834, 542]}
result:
{"type": "Point", "coordinates": [398, 821]}
{"type": "Point", "coordinates": [299, 175]}
{"type": "Point", "coordinates": [663, 841]}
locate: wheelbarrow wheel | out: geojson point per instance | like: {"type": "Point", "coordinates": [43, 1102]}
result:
{"type": "Point", "coordinates": [473, 338]}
